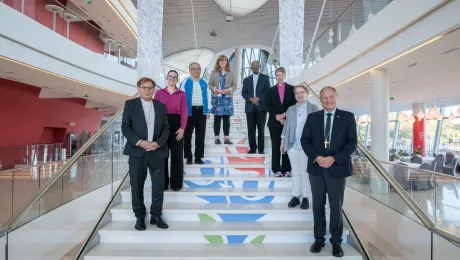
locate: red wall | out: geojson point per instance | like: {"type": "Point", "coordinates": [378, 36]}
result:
{"type": "Point", "coordinates": [80, 32]}
{"type": "Point", "coordinates": [24, 116]}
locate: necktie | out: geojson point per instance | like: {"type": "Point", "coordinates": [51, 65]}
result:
{"type": "Point", "coordinates": [327, 133]}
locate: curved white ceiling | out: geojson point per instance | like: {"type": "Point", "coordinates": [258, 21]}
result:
{"type": "Point", "coordinates": [181, 60]}
{"type": "Point", "coordinates": [240, 7]}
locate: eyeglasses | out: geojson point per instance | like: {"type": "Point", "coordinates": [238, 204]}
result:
{"type": "Point", "coordinates": [195, 68]}
{"type": "Point", "coordinates": [172, 77]}
{"type": "Point", "coordinates": [301, 93]}
{"type": "Point", "coordinates": [147, 88]}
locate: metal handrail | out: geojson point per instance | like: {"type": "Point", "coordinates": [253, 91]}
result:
{"type": "Point", "coordinates": [44, 164]}
{"type": "Point", "coordinates": [423, 170]}
{"type": "Point", "coordinates": [13, 221]}
{"type": "Point", "coordinates": [86, 246]}
{"type": "Point", "coordinates": [426, 221]}
{"type": "Point", "coordinates": [363, 250]}
{"type": "Point", "coordinates": [332, 24]}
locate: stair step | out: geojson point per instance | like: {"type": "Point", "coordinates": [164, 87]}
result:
{"type": "Point", "coordinates": [232, 212]}
{"type": "Point", "coordinates": [211, 232]}
{"type": "Point", "coordinates": [220, 195]}
{"type": "Point", "coordinates": [116, 251]}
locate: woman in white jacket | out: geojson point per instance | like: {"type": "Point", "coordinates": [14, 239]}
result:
{"type": "Point", "coordinates": [296, 116]}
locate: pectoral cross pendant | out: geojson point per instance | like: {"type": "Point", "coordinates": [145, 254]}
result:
{"type": "Point", "coordinates": [325, 143]}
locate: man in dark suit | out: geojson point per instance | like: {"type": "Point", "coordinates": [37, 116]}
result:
{"type": "Point", "coordinates": [280, 98]}
{"type": "Point", "coordinates": [329, 138]}
{"type": "Point", "coordinates": [255, 89]}
{"type": "Point", "coordinates": [146, 128]}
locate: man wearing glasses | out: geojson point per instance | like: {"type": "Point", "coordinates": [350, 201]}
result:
{"type": "Point", "coordinates": [146, 128]}
{"type": "Point", "coordinates": [196, 91]}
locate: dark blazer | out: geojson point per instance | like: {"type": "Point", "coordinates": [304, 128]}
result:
{"type": "Point", "coordinates": [134, 128]}
{"type": "Point", "coordinates": [343, 142]}
{"type": "Point", "coordinates": [274, 105]}
{"type": "Point", "coordinates": [263, 85]}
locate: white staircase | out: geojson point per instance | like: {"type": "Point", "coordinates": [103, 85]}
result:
{"type": "Point", "coordinates": [230, 208]}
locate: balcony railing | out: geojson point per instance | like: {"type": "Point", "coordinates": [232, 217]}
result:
{"type": "Point", "coordinates": [66, 22]}
{"type": "Point", "coordinates": [353, 17]}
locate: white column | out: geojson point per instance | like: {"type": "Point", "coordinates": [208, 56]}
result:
{"type": "Point", "coordinates": [379, 124]}
{"type": "Point", "coordinates": [149, 42]}
{"type": "Point", "coordinates": [291, 27]}
{"type": "Point", "coordinates": [237, 71]}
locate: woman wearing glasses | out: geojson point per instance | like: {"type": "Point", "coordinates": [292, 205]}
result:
{"type": "Point", "coordinates": [296, 116]}
{"type": "Point", "coordinates": [176, 110]}
{"type": "Point", "coordinates": [222, 85]}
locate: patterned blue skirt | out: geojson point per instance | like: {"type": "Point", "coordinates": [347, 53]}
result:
{"type": "Point", "coordinates": [222, 106]}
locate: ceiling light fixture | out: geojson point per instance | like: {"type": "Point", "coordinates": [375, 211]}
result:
{"type": "Point", "coordinates": [122, 18]}
{"type": "Point", "coordinates": [451, 116]}
{"type": "Point", "coordinates": [61, 76]}
{"type": "Point", "coordinates": [386, 62]}
{"type": "Point", "coordinates": [411, 119]}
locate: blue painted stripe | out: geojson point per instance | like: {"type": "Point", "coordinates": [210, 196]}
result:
{"type": "Point", "coordinates": [240, 217]}
{"type": "Point", "coordinates": [236, 239]}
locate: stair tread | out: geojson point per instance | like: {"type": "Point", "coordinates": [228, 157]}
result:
{"type": "Point", "coordinates": [227, 164]}
{"type": "Point", "coordinates": [239, 177]}
{"type": "Point", "coordinates": [234, 155]}
{"type": "Point", "coordinates": [230, 191]}
{"type": "Point", "coordinates": [218, 207]}
{"type": "Point", "coordinates": [214, 251]}
{"type": "Point", "coordinates": [216, 227]}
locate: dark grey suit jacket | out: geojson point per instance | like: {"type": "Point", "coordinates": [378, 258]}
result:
{"type": "Point", "coordinates": [134, 128]}
{"type": "Point", "coordinates": [343, 142]}
{"type": "Point", "coordinates": [263, 85]}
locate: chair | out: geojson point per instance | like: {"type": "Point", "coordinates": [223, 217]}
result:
{"type": "Point", "coordinates": [416, 159]}
{"type": "Point", "coordinates": [450, 159]}
{"type": "Point", "coordinates": [450, 170]}
{"type": "Point", "coordinates": [438, 163]}
{"type": "Point", "coordinates": [401, 175]}
{"type": "Point", "coordinates": [424, 180]}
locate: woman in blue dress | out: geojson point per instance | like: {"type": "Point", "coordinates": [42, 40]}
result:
{"type": "Point", "coordinates": [222, 84]}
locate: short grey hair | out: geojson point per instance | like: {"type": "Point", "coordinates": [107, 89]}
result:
{"type": "Point", "coordinates": [191, 64]}
{"type": "Point", "coordinates": [328, 87]}
{"type": "Point", "coordinates": [302, 86]}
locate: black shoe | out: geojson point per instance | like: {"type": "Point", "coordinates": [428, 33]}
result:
{"type": "Point", "coordinates": [140, 225]}
{"type": "Point", "coordinates": [337, 250]}
{"type": "Point", "coordinates": [176, 189]}
{"type": "Point", "coordinates": [261, 152]}
{"type": "Point", "coordinates": [316, 247]}
{"type": "Point", "coordinates": [217, 141]}
{"type": "Point", "coordinates": [294, 202]}
{"type": "Point", "coordinates": [227, 141]}
{"type": "Point", "coordinates": [189, 161]}
{"type": "Point", "coordinates": [305, 203]}
{"type": "Point", "coordinates": [159, 222]}
{"type": "Point", "coordinates": [199, 161]}
{"type": "Point", "coordinates": [251, 152]}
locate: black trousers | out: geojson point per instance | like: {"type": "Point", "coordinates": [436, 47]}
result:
{"type": "Point", "coordinates": [137, 174]}
{"type": "Point", "coordinates": [198, 122]}
{"type": "Point", "coordinates": [256, 119]}
{"type": "Point", "coordinates": [176, 149]}
{"type": "Point", "coordinates": [334, 187]}
{"type": "Point", "coordinates": [226, 123]}
{"type": "Point", "coordinates": [275, 136]}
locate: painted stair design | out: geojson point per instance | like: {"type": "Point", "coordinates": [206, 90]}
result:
{"type": "Point", "coordinates": [232, 207]}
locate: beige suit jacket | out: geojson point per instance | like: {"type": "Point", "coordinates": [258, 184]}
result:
{"type": "Point", "coordinates": [214, 80]}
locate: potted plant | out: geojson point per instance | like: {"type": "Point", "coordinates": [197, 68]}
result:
{"type": "Point", "coordinates": [418, 152]}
